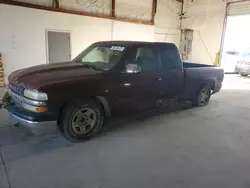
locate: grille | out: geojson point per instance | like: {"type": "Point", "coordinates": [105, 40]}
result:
{"type": "Point", "coordinates": [16, 88]}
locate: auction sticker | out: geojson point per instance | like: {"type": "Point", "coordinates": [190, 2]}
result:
{"type": "Point", "coordinates": [117, 48]}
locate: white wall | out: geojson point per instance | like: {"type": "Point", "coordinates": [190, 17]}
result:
{"type": "Point", "coordinates": [132, 31]}
{"type": "Point", "coordinates": [206, 18]}
{"type": "Point", "coordinates": [22, 34]}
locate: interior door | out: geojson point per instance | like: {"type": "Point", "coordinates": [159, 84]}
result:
{"type": "Point", "coordinates": [58, 46]}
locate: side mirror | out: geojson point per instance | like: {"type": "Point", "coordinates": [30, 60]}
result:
{"type": "Point", "coordinates": [133, 68]}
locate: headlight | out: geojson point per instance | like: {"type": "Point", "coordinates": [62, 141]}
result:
{"type": "Point", "coordinates": [35, 95]}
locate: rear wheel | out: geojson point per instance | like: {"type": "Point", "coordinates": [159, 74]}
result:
{"type": "Point", "coordinates": [243, 74]}
{"type": "Point", "coordinates": [203, 96]}
{"type": "Point", "coordinates": [81, 120]}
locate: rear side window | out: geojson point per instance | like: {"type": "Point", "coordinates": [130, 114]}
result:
{"type": "Point", "coordinates": [170, 58]}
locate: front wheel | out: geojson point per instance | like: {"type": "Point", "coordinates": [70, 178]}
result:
{"type": "Point", "coordinates": [81, 120]}
{"type": "Point", "coordinates": [203, 96]}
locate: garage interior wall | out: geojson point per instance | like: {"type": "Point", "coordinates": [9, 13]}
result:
{"type": "Point", "coordinates": [22, 33]}
{"type": "Point", "coordinates": [206, 18]}
{"type": "Point", "coordinates": [167, 21]}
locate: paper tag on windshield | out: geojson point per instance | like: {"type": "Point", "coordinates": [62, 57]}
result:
{"type": "Point", "coordinates": [117, 48]}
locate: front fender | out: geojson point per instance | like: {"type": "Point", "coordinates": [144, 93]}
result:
{"type": "Point", "coordinates": [105, 105]}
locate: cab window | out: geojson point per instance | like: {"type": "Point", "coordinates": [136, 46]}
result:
{"type": "Point", "coordinates": [170, 58]}
{"type": "Point", "coordinates": [144, 57]}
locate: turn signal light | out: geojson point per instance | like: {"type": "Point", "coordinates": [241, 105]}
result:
{"type": "Point", "coordinates": [41, 109]}
{"type": "Point", "coordinates": [35, 108]}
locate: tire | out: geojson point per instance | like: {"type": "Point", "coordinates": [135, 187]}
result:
{"type": "Point", "coordinates": [81, 120]}
{"type": "Point", "coordinates": [203, 96]}
{"type": "Point", "coordinates": [244, 74]}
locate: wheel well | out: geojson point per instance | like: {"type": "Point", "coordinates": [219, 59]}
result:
{"type": "Point", "coordinates": [105, 105]}
{"type": "Point", "coordinates": [100, 99]}
{"type": "Point", "coordinates": [210, 83]}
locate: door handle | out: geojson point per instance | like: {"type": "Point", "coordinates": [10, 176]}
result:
{"type": "Point", "coordinates": [158, 79]}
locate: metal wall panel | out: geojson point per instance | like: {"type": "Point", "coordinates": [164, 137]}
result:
{"type": "Point", "coordinates": [131, 9]}
{"type": "Point", "coordinates": [47, 3]}
{"type": "Point", "coordinates": [101, 7]}
{"type": "Point", "coordinates": [239, 8]}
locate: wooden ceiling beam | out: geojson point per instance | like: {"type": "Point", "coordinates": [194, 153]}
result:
{"type": "Point", "coordinates": [113, 8]}
{"type": "Point", "coordinates": [61, 10]}
{"type": "Point", "coordinates": [154, 7]}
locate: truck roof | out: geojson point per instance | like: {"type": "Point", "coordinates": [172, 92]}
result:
{"type": "Point", "coordinates": [131, 43]}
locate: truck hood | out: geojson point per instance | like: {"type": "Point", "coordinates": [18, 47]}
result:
{"type": "Point", "coordinates": [41, 75]}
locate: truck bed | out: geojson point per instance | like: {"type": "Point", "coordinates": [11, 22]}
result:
{"type": "Point", "coordinates": [198, 74]}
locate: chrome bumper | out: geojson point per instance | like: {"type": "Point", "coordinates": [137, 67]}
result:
{"type": "Point", "coordinates": [243, 70]}
{"type": "Point", "coordinates": [37, 128]}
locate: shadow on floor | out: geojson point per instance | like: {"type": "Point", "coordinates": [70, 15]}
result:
{"type": "Point", "coordinates": [17, 143]}
{"type": "Point", "coordinates": [114, 124]}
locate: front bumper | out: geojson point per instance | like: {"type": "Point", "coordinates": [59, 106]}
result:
{"type": "Point", "coordinates": [35, 127]}
{"type": "Point", "coordinates": [37, 123]}
{"type": "Point", "coordinates": [242, 70]}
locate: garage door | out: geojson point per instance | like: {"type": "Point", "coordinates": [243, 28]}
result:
{"type": "Point", "coordinates": [239, 8]}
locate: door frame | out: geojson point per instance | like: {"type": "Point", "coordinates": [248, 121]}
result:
{"type": "Point", "coordinates": [223, 34]}
{"type": "Point", "coordinates": [47, 42]}
{"type": "Point", "coordinates": [225, 26]}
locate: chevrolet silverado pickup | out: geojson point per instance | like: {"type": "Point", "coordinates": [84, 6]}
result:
{"type": "Point", "coordinates": [107, 79]}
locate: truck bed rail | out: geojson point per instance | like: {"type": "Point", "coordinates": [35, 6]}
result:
{"type": "Point", "coordinates": [194, 65]}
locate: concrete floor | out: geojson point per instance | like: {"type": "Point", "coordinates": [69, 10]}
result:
{"type": "Point", "coordinates": [205, 147]}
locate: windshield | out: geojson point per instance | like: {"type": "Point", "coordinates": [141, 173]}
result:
{"type": "Point", "coordinates": [101, 57]}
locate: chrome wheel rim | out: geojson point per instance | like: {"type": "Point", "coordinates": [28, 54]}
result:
{"type": "Point", "coordinates": [84, 120]}
{"type": "Point", "coordinates": [205, 94]}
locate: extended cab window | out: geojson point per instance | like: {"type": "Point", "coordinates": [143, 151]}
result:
{"type": "Point", "coordinates": [103, 57]}
{"type": "Point", "coordinates": [142, 56]}
{"type": "Point", "coordinates": [170, 58]}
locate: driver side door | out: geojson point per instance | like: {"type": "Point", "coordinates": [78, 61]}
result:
{"type": "Point", "coordinates": [139, 91]}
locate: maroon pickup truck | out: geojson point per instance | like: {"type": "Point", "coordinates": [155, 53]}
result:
{"type": "Point", "coordinates": [108, 78]}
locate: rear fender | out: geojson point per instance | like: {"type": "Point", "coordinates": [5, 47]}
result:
{"type": "Point", "coordinates": [210, 81]}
